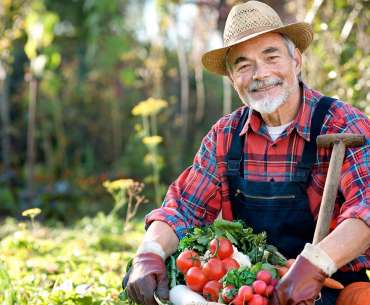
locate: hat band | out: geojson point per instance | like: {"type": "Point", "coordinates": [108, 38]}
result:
{"type": "Point", "coordinates": [251, 32]}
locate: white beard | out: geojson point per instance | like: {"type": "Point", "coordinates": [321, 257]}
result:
{"type": "Point", "coordinates": [268, 103]}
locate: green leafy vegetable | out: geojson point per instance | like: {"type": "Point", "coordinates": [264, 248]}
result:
{"type": "Point", "coordinates": [261, 254]}
{"type": "Point", "coordinates": [251, 244]}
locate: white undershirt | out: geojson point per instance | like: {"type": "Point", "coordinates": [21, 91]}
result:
{"type": "Point", "coordinates": [276, 131]}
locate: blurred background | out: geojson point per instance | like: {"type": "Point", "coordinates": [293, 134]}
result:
{"type": "Point", "coordinates": [103, 103]}
{"type": "Point", "coordinates": [71, 73]}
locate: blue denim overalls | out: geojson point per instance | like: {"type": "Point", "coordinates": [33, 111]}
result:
{"type": "Point", "coordinates": [281, 209]}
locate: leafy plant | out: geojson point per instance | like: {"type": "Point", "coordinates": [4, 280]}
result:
{"type": "Point", "coordinates": [148, 110]}
{"type": "Point", "coordinates": [126, 193]}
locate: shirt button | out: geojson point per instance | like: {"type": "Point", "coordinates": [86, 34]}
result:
{"type": "Point", "coordinates": [274, 145]}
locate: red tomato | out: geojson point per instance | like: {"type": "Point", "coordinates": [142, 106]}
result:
{"type": "Point", "coordinates": [186, 260]}
{"type": "Point", "coordinates": [228, 293]}
{"type": "Point", "coordinates": [230, 263]}
{"type": "Point", "coordinates": [259, 287]}
{"type": "Point", "coordinates": [257, 300]}
{"type": "Point", "coordinates": [211, 290]}
{"type": "Point", "coordinates": [195, 279]}
{"type": "Point", "coordinates": [221, 247]}
{"type": "Point", "coordinates": [269, 290]}
{"type": "Point", "coordinates": [246, 293]}
{"type": "Point", "coordinates": [214, 269]}
{"type": "Point", "coordinates": [265, 276]}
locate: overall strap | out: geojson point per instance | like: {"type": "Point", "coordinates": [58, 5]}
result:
{"type": "Point", "coordinates": [304, 166]}
{"type": "Point", "coordinates": [235, 154]}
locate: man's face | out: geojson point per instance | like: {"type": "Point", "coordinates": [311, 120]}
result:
{"type": "Point", "coordinates": [263, 72]}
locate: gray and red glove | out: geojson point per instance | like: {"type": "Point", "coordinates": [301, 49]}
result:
{"type": "Point", "coordinates": [302, 284]}
{"type": "Point", "coordinates": [147, 275]}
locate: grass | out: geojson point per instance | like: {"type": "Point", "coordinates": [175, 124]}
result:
{"type": "Point", "coordinates": [83, 264]}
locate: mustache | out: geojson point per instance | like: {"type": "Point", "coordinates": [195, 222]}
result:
{"type": "Point", "coordinates": [258, 84]}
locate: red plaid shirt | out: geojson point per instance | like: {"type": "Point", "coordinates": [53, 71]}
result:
{"type": "Point", "coordinates": [201, 191]}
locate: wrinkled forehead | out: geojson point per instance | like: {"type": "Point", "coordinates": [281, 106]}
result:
{"type": "Point", "coordinates": [256, 46]}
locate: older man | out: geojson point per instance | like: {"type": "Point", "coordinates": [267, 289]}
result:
{"type": "Point", "coordinates": [260, 164]}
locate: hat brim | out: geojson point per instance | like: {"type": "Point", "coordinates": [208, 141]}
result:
{"type": "Point", "coordinates": [300, 33]}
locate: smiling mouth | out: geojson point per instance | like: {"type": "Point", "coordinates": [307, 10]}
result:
{"type": "Point", "coordinates": [265, 88]}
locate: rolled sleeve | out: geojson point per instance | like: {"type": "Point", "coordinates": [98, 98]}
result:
{"type": "Point", "coordinates": [194, 199]}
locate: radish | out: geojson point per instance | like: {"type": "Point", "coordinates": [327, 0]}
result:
{"type": "Point", "coordinates": [245, 293]}
{"type": "Point", "coordinates": [259, 287]}
{"type": "Point", "coordinates": [269, 290]}
{"type": "Point", "coordinates": [257, 300]}
{"type": "Point", "coordinates": [274, 282]}
{"type": "Point", "coordinates": [265, 276]}
{"type": "Point", "coordinates": [182, 295]}
{"type": "Point", "coordinates": [241, 258]}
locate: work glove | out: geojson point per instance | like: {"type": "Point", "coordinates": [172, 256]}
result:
{"type": "Point", "coordinates": [301, 285]}
{"type": "Point", "coordinates": [146, 276]}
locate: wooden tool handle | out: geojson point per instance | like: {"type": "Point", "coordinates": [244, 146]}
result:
{"type": "Point", "coordinates": [330, 192]}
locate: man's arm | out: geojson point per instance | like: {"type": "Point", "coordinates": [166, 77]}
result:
{"type": "Point", "coordinates": [349, 240]}
{"type": "Point", "coordinates": [162, 234]}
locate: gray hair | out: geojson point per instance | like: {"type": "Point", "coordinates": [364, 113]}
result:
{"type": "Point", "coordinates": [289, 44]}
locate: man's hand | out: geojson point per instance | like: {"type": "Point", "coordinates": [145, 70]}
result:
{"type": "Point", "coordinates": [147, 275]}
{"type": "Point", "coordinates": [301, 285]}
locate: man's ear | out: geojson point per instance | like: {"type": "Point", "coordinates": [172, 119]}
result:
{"type": "Point", "coordinates": [297, 60]}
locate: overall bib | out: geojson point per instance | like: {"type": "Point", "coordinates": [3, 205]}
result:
{"type": "Point", "coordinates": [281, 209]}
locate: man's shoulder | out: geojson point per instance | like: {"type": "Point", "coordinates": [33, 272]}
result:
{"type": "Point", "coordinates": [339, 109]}
{"type": "Point", "coordinates": [344, 116]}
{"type": "Point", "coordinates": [346, 112]}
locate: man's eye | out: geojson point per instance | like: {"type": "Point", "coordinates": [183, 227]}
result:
{"type": "Point", "coordinates": [273, 57]}
{"type": "Point", "coordinates": [244, 67]}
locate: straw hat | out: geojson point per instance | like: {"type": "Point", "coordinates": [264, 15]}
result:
{"type": "Point", "coordinates": [251, 19]}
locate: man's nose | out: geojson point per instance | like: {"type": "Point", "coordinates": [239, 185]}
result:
{"type": "Point", "coordinates": [261, 71]}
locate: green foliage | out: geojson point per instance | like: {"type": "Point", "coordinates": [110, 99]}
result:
{"type": "Point", "coordinates": [337, 61]}
{"type": "Point", "coordinates": [78, 265]}
{"type": "Point", "coordinates": [97, 63]}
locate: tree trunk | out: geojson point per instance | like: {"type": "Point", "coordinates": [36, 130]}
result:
{"type": "Point", "coordinates": [60, 155]}
{"type": "Point", "coordinates": [310, 16]}
{"type": "Point", "coordinates": [204, 25]}
{"type": "Point", "coordinates": [184, 83]}
{"type": "Point", "coordinates": [117, 121]}
{"type": "Point", "coordinates": [5, 123]}
{"type": "Point", "coordinates": [116, 130]}
{"type": "Point", "coordinates": [31, 137]}
{"type": "Point", "coordinates": [201, 100]}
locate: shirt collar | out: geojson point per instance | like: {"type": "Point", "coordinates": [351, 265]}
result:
{"type": "Point", "coordinates": [302, 122]}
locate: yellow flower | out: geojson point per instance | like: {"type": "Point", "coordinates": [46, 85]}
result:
{"type": "Point", "coordinates": [31, 212]}
{"type": "Point", "coordinates": [150, 159]}
{"type": "Point", "coordinates": [118, 184]}
{"type": "Point", "coordinates": [152, 141]}
{"type": "Point", "coordinates": [151, 106]}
